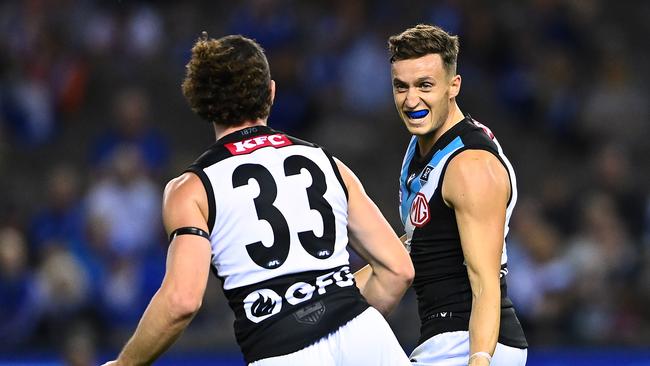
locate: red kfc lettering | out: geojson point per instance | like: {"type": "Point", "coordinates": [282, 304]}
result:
{"type": "Point", "coordinates": [252, 144]}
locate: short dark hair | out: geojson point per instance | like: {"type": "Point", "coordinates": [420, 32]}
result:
{"type": "Point", "coordinates": [228, 80]}
{"type": "Point", "coordinates": [424, 39]}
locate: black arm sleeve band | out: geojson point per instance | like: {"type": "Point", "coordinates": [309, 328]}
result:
{"type": "Point", "coordinates": [188, 230]}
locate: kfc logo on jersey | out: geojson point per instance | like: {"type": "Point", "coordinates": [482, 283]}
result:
{"type": "Point", "coordinates": [252, 144]}
{"type": "Point", "coordinates": [419, 214]}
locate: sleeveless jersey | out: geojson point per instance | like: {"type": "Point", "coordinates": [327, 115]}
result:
{"type": "Point", "coordinates": [441, 281]}
{"type": "Point", "coordinates": [278, 231]}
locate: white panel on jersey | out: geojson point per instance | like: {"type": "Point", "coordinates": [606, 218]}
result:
{"type": "Point", "coordinates": [237, 223]}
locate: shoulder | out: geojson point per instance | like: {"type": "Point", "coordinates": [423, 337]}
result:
{"type": "Point", "coordinates": [474, 174]}
{"type": "Point", "coordinates": [297, 141]}
{"type": "Point", "coordinates": [350, 180]}
{"type": "Point", "coordinates": [213, 155]}
{"type": "Point", "coordinates": [185, 202]}
{"type": "Point", "coordinates": [473, 161]}
{"type": "Point", "coordinates": [477, 135]}
{"type": "Point", "coordinates": [186, 186]}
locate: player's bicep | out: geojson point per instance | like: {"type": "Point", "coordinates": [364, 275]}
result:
{"type": "Point", "coordinates": [188, 258]}
{"type": "Point", "coordinates": [476, 186]}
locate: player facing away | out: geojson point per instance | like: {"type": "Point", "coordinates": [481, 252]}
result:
{"type": "Point", "coordinates": [271, 215]}
{"type": "Point", "coordinates": [457, 192]}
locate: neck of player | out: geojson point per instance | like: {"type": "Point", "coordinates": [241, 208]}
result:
{"type": "Point", "coordinates": [426, 142]}
{"type": "Point", "coordinates": [221, 131]}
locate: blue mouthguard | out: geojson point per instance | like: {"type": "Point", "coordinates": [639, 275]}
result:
{"type": "Point", "coordinates": [417, 114]}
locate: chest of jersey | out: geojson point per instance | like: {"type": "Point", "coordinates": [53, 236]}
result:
{"type": "Point", "coordinates": [419, 182]}
{"type": "Point", "coordinates": [422, 209]}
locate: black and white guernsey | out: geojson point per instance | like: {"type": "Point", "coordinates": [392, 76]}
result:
{"type": "Point", "coordinates": [441, 281]}
{"type": "Point", "coordinates": [278, 230]}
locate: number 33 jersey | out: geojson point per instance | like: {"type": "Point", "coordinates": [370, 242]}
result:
{"type": "Point", "coordinates": [278, 231]}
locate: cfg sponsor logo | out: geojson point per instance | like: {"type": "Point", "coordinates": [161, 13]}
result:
{"type": "Point", "coordinates": [249, 145]}
{"type": "Point", "coordinates": [264, 303]}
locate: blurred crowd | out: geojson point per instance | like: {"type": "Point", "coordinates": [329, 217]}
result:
{"type": "Point", "coordinates": [93, 123]}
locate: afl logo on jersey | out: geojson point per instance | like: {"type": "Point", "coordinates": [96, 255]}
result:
{"type": "Point", "coordinates": [262, 304]}
{"type": "Point", "coordinates": [420, 214]}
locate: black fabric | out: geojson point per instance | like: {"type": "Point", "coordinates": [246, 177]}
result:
{"type": "Point", "coordinates": [294, 326]}
{"type": "Point", "coordinates": [441, 281]}
{"type": "Point", "coordinates": [285, 332]}
{"type": "Point", "coordinates": [188, 230]}
{"type": "Point", "coordinates": [510, 331]}
{"type": "Point", "coordinates": [337, 173]}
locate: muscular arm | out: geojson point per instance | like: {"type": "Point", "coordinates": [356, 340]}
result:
{"type": "Point", "coordinates": [476, 186]}
{"type": "Point", "coordinates": [361, 276]}
{"type": "Point", "coordinates": [188, 260]}
{"type": "Point", "coordinates": [390, 271]}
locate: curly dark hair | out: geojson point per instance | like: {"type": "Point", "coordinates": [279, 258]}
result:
{"type": "Point", "coordinates": [228, 80]}
{"type": "Point", "coordinates": [424, 39]}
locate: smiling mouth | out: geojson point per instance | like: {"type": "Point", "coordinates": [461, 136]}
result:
{"type": "Point", "coordinates": [417, 114]}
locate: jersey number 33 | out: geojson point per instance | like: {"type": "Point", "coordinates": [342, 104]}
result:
{"type": "Point", "coordinates": [273, 256]}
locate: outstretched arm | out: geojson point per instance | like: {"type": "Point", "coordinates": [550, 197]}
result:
{"type": "Point", "coordinates": [390, 271]}
{"type": "Point", "coordinates": [188, 261]}
{"type": "Point", "coordinates": [476, 186]}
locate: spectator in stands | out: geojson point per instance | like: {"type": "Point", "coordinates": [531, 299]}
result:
{"type": "Point", "coordinates": [20, 304]}
{"type": "Point", "coordinates": [61, 217]}
{"type": "Point", "coordinates": [127, 201]}
{"type": "Point", "coordinates": [132, 127]}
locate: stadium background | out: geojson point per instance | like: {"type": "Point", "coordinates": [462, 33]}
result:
{"type": "Point", "coordinates": [93, 123]}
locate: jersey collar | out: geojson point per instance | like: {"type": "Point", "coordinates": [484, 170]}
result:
{"type": "Point", "coordinates": [245, 133]}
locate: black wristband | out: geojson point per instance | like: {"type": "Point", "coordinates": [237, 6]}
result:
{"type": "Point", "coordinates": [188, 230]}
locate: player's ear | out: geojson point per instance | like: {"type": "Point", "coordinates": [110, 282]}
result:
{"type": "Point", "coordinates": [272, 85]}
{"type": "Point", "coordinates": [454, 86]}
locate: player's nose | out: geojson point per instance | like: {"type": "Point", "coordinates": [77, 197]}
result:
{"type": "Point", "coordinates": [412, 99]}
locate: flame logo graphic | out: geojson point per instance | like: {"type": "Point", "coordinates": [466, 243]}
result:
{"type": "Point", "coordinates": [262, 306]}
